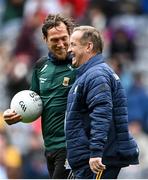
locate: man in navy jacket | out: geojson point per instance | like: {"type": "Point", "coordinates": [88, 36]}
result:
{"type": "Point", "coordinates": [98, 140]}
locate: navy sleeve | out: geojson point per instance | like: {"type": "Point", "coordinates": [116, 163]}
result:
{"type": "Point", "coordinates": [99, 102]}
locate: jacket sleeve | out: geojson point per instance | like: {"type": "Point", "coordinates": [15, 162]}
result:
{"type": "Point", "coordinates": [35, 79]}
{"type": "Point", "coordinates": [34, 82]}
{"type": "Point", "coordinates": [99, 103]}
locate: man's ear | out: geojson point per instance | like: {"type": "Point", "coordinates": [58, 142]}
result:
{"type": "Point", "coordinates": [44, 39]}
{"type": "Point", "coordinates": [89, 47]}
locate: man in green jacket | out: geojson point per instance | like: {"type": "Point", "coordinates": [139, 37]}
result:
{"type": "Point", "coordinates": [52, 78]}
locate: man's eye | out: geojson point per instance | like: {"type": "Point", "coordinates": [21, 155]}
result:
{"type": "Point", "coordinates": [73, 45]}
{"type": "Point", "coordinates": [54, 40]}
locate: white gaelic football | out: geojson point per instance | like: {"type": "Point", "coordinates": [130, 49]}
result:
{"type": "Point", "coordinates": [28, 104]}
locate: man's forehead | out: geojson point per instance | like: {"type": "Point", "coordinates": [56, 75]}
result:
{"type": "Point", "coordinates": [76, 35]}
{"type": "Point", "coordinates": [58, 29]}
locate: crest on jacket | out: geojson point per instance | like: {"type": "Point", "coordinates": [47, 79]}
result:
{"type": "Point", "coordinates": [66, 81]}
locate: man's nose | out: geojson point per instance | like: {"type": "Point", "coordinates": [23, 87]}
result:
{"type": "Point", "coordinates": [69, 49]}
{"type": "Point", "coordinates": [61, 43]}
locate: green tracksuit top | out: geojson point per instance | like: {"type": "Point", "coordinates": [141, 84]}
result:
{"type": "Point", "coordinates": [52, 81]}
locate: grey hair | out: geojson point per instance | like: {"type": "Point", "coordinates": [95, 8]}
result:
{"type": "Point", "coordinates": [91, 34]}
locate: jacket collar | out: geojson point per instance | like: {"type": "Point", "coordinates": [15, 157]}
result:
{"type": "Point", "coordinates": [97, 59]}
{"type": "Point", "coordinates": [56, 61]}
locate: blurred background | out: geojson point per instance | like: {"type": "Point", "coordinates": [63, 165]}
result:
{"type": "Point", "coordinates": [124, 27]}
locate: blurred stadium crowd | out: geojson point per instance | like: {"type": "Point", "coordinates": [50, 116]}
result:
{"type": "Point", "coordinates": [124, 28]}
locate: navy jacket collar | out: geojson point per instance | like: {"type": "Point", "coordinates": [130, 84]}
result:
{"type": "Point", "coordinates": [56, 61]}
{"type": "Point", "coordinates": [97, 59]}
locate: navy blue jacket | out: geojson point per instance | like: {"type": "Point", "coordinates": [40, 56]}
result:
{"type": "Point", "coordinates": [97, 118]}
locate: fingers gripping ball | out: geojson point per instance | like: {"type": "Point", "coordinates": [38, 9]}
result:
{"type": "Point", "coordinates": [28, 104]}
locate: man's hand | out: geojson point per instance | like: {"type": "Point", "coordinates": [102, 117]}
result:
{"type": "Point", "coordinates": [11, 117]}
{"type": "Point", "coordinates": [96, 164]}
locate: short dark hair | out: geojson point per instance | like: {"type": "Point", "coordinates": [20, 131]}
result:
{"type": "Point", "coordinates": [91, 34]}
{"type": "Point", "coordinates": [54, 20]}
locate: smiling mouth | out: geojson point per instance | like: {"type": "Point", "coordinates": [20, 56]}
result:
{"type": "Point", "coordinates": [72, 55]}
{"type": "Point", "coordinates": [74, 61]}
{"type": "Point", "coordinates": [61, 51]}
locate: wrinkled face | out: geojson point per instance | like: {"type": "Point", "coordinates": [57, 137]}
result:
{"type": "Point", "coordinates": [77, 50]}
{"type": "Point", "coordinates": [58, 41]}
